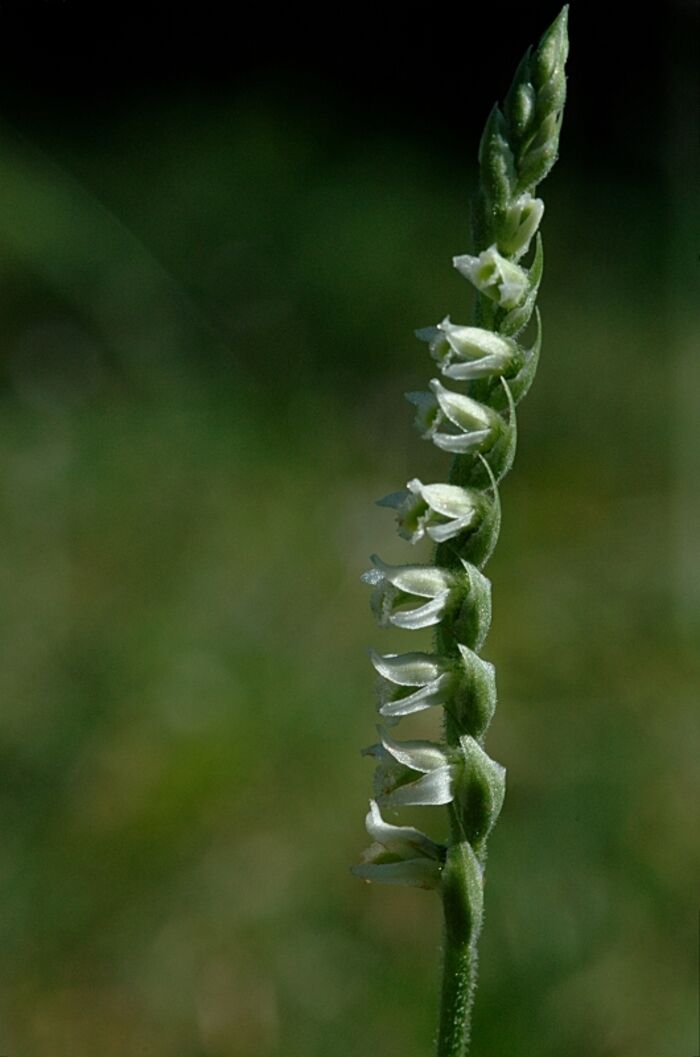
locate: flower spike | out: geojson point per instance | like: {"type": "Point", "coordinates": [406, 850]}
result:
{"type": "Point", "coordinates": [469, 411]}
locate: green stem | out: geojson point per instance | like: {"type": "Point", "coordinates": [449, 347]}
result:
{"type": "Point", "coordinates": [458, 983]}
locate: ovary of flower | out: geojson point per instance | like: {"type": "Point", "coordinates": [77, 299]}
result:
{"type": "Point", "coordinates": [396, 585]}
{"type": "Point", "coordinates": [440, 510]}
{"type": "Point", "coordinates": [495, 276]}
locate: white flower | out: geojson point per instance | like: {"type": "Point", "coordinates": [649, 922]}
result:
{"type": "Point", "coordinates": [414, 682]}
{"type": "Point", "coordinates": [396, 586]}
{"type": "Point", "coordinates": [463, 353]}
{"type": "Point", "coordinates": [428, 678]}
{"type": "Point", "coordinates": [495, 276]}
{"type": "Point", "coordinates": [423, 774]}
{"type": "Point", "coordinates": [395, 781]}
{"type": "Point", "coordinates": [440, 510]}
{"type": "Point", "coordinates": [476, 426]}
{"type": "Point", "coordinates": [519, 223]}
{"type": "Point", "coordinates": [399, 854]}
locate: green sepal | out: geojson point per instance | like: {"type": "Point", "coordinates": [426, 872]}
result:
{"type": "Point", "coordinates": [499, 459]}
{"type": "Point", "coordinates": [519, 317]}
{"type": "Point", "coordinates": [479, 791]}
{"type": "Point", "coordinates": [550, 101]}
{"type": "Point", "coordinates": [472, 621]}
{"type": "Point", "coordinates": [541, 154]}
{"type": "Point", "coordinates": [521, 382]}
{"type": "Point", "coordinates": [473, 702]}
{"type": "Point", "coordinates": [477, 546]}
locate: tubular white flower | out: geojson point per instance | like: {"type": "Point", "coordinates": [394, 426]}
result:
{"type": "Point", "coordinates": [477, 353]}
{"type": "Point", "coordinates": [424, 756]}
{"type": "Point", "coordinates": [415, 682]}
{"type": "Point", "coordinates": [399, 854]}
{"type": "Point", "coordinates": [429, 680]}
{"type": "Point", "coordinates": [518, 225]}
{"type": "Point", "coordinates": [401, 840]}
{"type": "Point", "coordinates": [440, 510]}
{"type": "Point", "coordinates": [495, 276]}
{"type": "Point", "coordinates": [395, 785]}
{"type": "Point", "coordinates": [398, 585]}
{"type": "Point", "coordinates": [477, 425]}
{"type": "Point", "coordinates": [409, 669]}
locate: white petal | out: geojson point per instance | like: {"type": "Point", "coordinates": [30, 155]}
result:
{"type": "Point", "coordinates": [408, 669]}
{"type": "Point", "coordinates": [474, 342]}
{"type": "Point", "coordinates": [450, 500]}
{"type": "Point", "coordinates": [426, 581]}
{"type": "Point", "coordinates": [433, 693]}
{"type": "Point", "coordinates": [481, 368]}
{"type": "Point", "coordinates": [460, 409]}
{"type": "Point", "coordinates": [418, 755]}
{"type": "Point", "coordinates": [423, 617]}
{"type": "Point", "coordinates": [430, 789]}
{"type": "Point", "coordinates": [420, 873]}
{"type": "Point", "coordinates": [442, 533]}
{"type": "Point", "coordinates": [399, 839]}
{"type": "Point", "coordinates": [466, 265]}
{"type": "Point", "coordinates": [461, 442]}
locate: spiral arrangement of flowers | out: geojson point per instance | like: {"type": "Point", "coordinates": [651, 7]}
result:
{"type": "Point", "coordinates": [488, 368]}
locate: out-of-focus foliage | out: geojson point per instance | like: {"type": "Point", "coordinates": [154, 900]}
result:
{"type": "Point", "coordinates": [205, 331]}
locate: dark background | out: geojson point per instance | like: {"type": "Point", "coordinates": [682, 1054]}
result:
{"type": "Point", "coordinates": [216, 241]}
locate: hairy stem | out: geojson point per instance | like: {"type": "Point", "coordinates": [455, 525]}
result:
{"type": "Point", "coordinates": [458, 985]}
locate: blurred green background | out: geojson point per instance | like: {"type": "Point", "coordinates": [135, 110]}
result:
{"type": "Point", "coordinates": [208, 294]}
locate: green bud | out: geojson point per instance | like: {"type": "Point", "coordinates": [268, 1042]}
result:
{"type": "Point", "coordinates": [498, 175]}
{"type": "Point", "coordinates": [520, 102]}
{"type": "Point", "coordinates": [550, 58]}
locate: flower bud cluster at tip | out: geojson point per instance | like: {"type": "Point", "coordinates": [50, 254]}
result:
{"type": "Point", "coordinates": [487, 369]}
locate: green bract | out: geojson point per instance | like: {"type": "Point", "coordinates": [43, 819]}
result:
{"type": "Point", "coordinates": [492, 370]}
